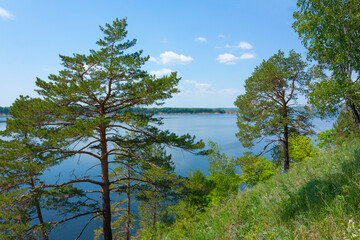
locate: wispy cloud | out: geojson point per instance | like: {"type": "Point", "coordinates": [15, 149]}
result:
{"type": "Point", "coordinates": [162, 72]}
{"type": "Point", "coordinates": [201, 39]}
{"type": "Point", "coordinates": [172, 58]}
{"type": "Point", "coordinates": [198, 87]}
{"type": "Point", "coordinates": [228, 58]}
{"type": "Point", "coordinates": [241, 45]}
{"type": "Point", "coordinates": [221, 36]}
{"type": "Point", "coordinates": [247, 56]}
{"type": "Point", "coordinates": [4, 14]}
{"type": "Point", "coordinates": [244, 45]}
{"type": "Point", "coordinates": [205, 88]}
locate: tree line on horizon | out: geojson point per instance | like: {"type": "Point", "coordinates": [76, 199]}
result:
{"type": "Point", "coordinates": [4, 110]}
{"type": "Point", "coordinates": [164, 110]}
{"type": "Point", "coordinates": [88, 109]}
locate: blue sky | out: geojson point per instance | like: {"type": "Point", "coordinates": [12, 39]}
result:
{"type": "Point", "coordinates": [213, 45]}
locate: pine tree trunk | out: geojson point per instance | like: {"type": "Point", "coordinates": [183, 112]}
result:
{"type": "Point", "coordinates": [128, 219]}
{"type": "Point", "coordinates": [356, 115]}
{"type": "Point", "coordinates": [105, 186]}
{"type": "Point", "coordinates": [154, 210]}
{"type": "Point", "coordinates": [38, 211]}
{"type": "Point", "coordinates": [286, 149]}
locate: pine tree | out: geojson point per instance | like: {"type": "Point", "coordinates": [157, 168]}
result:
{"type": "Point", "coordinates": [267, 107]}
{"type": "Point", "coordinates": [90, 102]}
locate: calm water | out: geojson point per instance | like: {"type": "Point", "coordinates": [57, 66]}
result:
{"type": "Point", "coordinates": [220, 128]}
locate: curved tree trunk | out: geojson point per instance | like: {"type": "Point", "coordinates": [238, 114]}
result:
{"type": "Point", "coordinates": [128, 210]}
{"type": "Point", "coordinates": [356, 115]}
{"type": "Point", "coordinates": [286, 149]}
{"type": "Point", "coordinates": [38, 211]}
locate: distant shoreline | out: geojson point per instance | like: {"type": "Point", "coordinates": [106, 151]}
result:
{"type": "Point", "coordinates": [4, 111]}
{"type": "Point", "coordinates": [204, 113]}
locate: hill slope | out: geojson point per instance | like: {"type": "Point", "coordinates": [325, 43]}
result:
{"type": "Point", "coordinates": [317, 199]}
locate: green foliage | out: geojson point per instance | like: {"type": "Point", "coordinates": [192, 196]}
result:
{"type": "Point", "coordinates": [256, 169]}
{"type": "Point", "coordinates": [344, 129]}
{"type": "Point", "coordinates": [198, 190]}
{"type": "Point", "coordinates": [300, 148]}
{"type": "Point", "coordinates": [325, 139]}
{"type": "Point", "coordinates": [179, 110]}
{"type": "Point", "coordinates": [88, 105]}
{"type": "Point", "coordinates": [24, 156]}
{"type": "Point", "coordinates": [4, 110]}
{"type": "Point", "coordinates": [266, 109]}
{"type": "Point", "coordinates": [329, 30]}
{"type": "Point", "coordinates": [222, 170]}
{"type": "Point", "coordinates": [316, 199]}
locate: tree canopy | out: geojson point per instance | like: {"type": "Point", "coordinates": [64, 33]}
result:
{"type": "Point", "coordinates": [85, 110]}
{"type": "Point", "coordinates": [330, 31]}
{"type": "Point", "coordinates": [267, 107]}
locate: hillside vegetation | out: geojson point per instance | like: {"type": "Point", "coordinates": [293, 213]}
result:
{"type": "Point", "coordinates": [316, 199]}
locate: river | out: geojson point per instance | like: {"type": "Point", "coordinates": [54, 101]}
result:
{"type": "Point", "coordinates": [220, 128]}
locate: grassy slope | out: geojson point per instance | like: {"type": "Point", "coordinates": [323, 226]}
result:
{"type": "Point", "coordinates": [317, 199]}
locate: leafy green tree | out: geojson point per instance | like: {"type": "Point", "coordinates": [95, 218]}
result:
{"type": "Point", "coordinates": [152, 182]}
{"type": "Point", "coordinates": [222, 170]}
{"type": "Point", "coordinates": [24, 157]}
{"type": "Point", "coordinates": [325, 139]}
{"type": "Point", "coordinates": [300, 148]}
{"type": "Point", "coordinates": [344, 129]}
{"type": "Point", "coordinates": [330, 31]}
{"type": "Point", "coordinates": [199, 189]}
{"type": "Point", "coordinates": [88, 104]}
{"type": "Point", "coordinates": [267, 107]}
{"type": "Point", "coordinates": [256, 169]}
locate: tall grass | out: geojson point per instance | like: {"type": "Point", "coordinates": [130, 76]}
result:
{"type": "Point", "coordinates": [316, 199]}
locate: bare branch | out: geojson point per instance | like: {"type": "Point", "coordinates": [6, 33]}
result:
{"type": "Point", "coordinates": [272, 141]}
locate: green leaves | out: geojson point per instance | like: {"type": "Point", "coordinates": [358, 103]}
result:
{"type": "Point", "coordinates": [85, 109]}
{"type": "Point", "coordinates": [256, 169]}
{"type": "Point", "coordinates": [329, 30]}
{"type": "Point", "coordinates": [267, 107]}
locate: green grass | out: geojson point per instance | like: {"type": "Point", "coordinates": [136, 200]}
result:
{"type": "Point", "coordinates": [316, 199]}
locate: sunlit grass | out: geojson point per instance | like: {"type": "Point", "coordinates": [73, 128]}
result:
{"type": "Point", "coordinates": [316, 199]}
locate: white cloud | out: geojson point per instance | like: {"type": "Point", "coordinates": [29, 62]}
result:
{"type": "Point", "coordinates": [247, 56]}
{"type": "Point", "coordinates": [221, 36]}
{"type": "Point", "coordinates": [171, 58]}
{"type": "Point", "coordinates": [161, 72]}
{"type": "Point", "coordinates": [6, 15]}
{"type": "Point", "coordinates": [244, 45]}
{"type": "Point", "coordinates": [241, 45]}
{"type": "Point", "coordinates": [201, 39]}
{"type": "Point", "coordinates": [227, 58]}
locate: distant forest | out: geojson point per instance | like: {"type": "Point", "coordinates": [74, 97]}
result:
{"type": "Point", "coordinates": [185, 110]}
{"type": "Point", "coordinates": [5, 110]}
{"type": "Point", "coordinates": [170, 110]}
